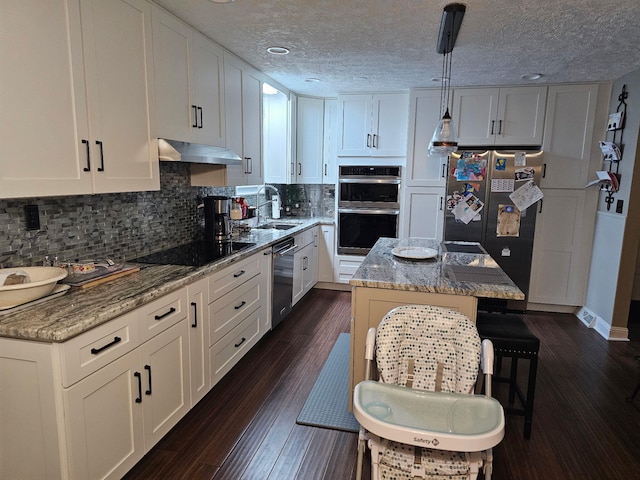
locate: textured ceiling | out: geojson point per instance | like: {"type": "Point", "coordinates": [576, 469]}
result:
{"type": "Point", "coordinates": [390, 45]}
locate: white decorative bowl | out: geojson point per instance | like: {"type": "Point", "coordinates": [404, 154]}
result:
{"type": "Point", "coordinates": [43, 281]}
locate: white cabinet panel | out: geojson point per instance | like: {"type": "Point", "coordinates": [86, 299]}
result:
{"type": "Point", "coordinates": [326, 250]}
{"type": "Point", "coordinates": [330, 146]}
{"type": "Point", "coordinates": [95, 134]}
{"type": "Point", "coordinates": [372, 125]}
{"type": "Point", "coordinates": [562, 247]}
{"type": "Point", "coordinates": [309, 141]}
{"type": "Point", "coordinates": [105, 431]}
{"type": "Point", "coordinates": [424, 114]}
{"type": "Point", "coordinates": [568, 135]}
{"type": "Point", "coordinates": [423, 212]}
{"type": "Point", "coordinates": [499, 116]}
{"type": "Point", "coordinates": [198, 299]}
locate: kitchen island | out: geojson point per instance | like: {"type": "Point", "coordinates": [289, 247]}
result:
{"type": "Point", "coordinates": [452, 279]}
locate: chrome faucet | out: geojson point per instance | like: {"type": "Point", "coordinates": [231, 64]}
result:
{"type": "Point", "coordinates": [264, 187]}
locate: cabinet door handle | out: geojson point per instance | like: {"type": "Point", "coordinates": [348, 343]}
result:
{"type": "Point", "coordinates": [200, 110]}
{"type": "Point", "coordinates": [88, 167]}
{"type": "Point", "coordinates": [248, 165]}
{"type": "Point", "coordinates": [242, 304]}
{"type": "Point", "coordinates": [368, 140]}
{"type": "Point", "coordinates": [493, 122]}
{"type": "Point", "coordinates": [240, 343]}
{"type": "Point", "coordinates": [544, 170]}
{"type": "Point", "coordinates": [239, 274]}
{"type": "Point", "coordinates": [299, 168]}
{"type": "Point", "coordinates": [540, 209]}
{"type": "Point", "coordinates": [375, 141]}
{"type": "Point", "coordinates": [441, 202]}
{"type": "Point", "coordinates": [139, 377]}
{"type": "Point", "coordinates": [325, 169]}
{"type": "Point", "coordinates": [96, 351]}
{"type": "Point", "coordinates": [160, 317]}
{"type": "Point", "coordinates": [499, 127]}
{"type": "Point", "coordinates": [444, 169]}
{"type": "Point", "coordinates": [195, 116]}
{"type": "Point", "coordinates": [195, 315]}
{"type": "Point", "coordinates": [148, 369]}
{"type": "Point", "coordinates": [101, 167]}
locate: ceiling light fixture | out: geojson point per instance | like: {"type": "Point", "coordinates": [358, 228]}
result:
{"type": "Point", "coordinates": [312, 80]}
{"type": "Point", "coordinates": [445, 139]}
{"type": "Point", "coordinates": [532, 76]}
{"type": "Point", "coordinates": [278, 50]}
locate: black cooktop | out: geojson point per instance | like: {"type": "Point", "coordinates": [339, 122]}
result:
{"type": "Point", "coordinates": [194, 254]}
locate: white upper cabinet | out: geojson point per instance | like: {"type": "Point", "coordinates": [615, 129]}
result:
{"type": "Point", "coordinates": [309, 164]}
{"type": "Point", "coordinates": [568, 135]}
{"type": "Point", "coordinates": [424, 114]}
{"type": "Point", "coordinates": [188, 72]}
{"type": "Point", "coordinates": [330, 167]}
{"type": "Point", "coordinates": [499, 116]}
{"type": "Point", "coordinates": [88, 127]}
{"type": "Point", "coordinates": [243, 119]}
{"type": "Point", "coordinates": [372, 125]}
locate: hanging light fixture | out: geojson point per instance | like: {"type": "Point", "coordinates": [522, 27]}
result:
{"type": "Point", "coordinates": [445, 137]}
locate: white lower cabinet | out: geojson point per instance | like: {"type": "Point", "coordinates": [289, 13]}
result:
{"type": "Point", "coordinates": [423, 212]}
{"type": "Point", "coordinates": [115, 415]}
{"type": "Point", "coordinates": [198, 301]}
{"type": "Point", "coordinates": [326, 251]}
{"type": "Point", "coordinates": [305, 264]}
{"type": "Point", "coordinates": [345, 266]}
{"type": "Point", "coordinates": [237, 312]}
{"type": "Point", "coordinates": [91, 407]}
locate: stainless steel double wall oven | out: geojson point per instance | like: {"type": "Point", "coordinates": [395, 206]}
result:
{"type": "Point", "coordinates": [368, 207]}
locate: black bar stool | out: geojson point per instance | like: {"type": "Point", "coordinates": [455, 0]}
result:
{"type": "Point", "coordinates": [512, 338]}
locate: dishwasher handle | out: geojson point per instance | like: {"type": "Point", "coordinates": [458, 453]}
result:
{"type": "Point", "coordinates": [285, 250]}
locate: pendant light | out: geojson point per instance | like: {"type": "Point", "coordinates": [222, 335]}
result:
{"type": "Point", "coordinates": [445, 138]}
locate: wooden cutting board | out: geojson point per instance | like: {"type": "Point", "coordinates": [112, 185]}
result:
{"type": "Point", "coordinates": [97, 278]}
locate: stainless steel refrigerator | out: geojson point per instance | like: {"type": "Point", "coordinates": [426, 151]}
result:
{"type": "Point", "coordinates": [484, 179]}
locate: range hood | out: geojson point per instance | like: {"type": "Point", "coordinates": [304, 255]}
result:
{"type": "Point", "coordinates": [176, 151]}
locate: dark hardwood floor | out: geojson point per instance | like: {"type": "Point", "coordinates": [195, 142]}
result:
{"type": "Point", "coordinates": [583, 426]}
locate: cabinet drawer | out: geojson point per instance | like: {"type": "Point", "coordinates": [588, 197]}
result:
{"type": "Point", "coordinates": [160, 314]}
{"type": "Point", "coordinates": [228, 311]}
{"type": "Point", "coordinates": [228, 351]}
{"type": "Point", "coordinates": [303, 239]}
{"type": "Point", "coordinates": [86, 353]}
{"type": "Point", "coordinates": [229, 278]}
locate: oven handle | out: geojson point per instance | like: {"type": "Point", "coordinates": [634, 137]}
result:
{"type": "Point", "coordinates": [388, 181]}
{"type": "Point", "coordinates": [371, 211]}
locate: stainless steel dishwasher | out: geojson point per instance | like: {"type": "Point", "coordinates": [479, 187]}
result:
{"type": "Point", "coordinates": [282, 291]}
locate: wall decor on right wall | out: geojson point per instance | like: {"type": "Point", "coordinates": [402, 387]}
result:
{"type": "Point", "coordinates": [613, 150]}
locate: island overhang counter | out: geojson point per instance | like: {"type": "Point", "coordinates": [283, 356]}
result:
{"type": "Point", "coordinates": [452, 279]}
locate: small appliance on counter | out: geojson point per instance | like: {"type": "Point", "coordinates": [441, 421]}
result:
{"type": "Point", "coordinates": [217, 218]}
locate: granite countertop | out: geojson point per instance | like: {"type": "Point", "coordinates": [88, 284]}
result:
{"type": "Point", "coordinates": [79, 310]}
{"type": "Point", "coordinates": [453, 273]}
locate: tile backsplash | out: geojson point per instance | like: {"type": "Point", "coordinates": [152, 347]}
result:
{"type": "Point", "coordinates": [125, 225]}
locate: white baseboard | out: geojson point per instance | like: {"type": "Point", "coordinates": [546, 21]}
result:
{"type": "Point", "coordinates": [600, 325]}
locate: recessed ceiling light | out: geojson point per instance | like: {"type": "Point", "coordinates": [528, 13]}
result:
{"type": "Point", "coordinates": [532, 76]}
{"type": "Point", "coordinates": [312, 80]}
{"type": "Point", "coordinates": [278, 50]}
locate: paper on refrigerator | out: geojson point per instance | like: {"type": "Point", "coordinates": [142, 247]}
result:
{"type": "Point", "coordinates": [526, 195]}
{"type": "Point", "coordinates": [467, 208]}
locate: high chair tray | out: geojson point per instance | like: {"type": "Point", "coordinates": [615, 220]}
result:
{"type": "Point", "coordinates": [441, 420]}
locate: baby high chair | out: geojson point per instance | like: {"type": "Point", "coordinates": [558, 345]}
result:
{"type": "Point", "coordinates": [421, 419]}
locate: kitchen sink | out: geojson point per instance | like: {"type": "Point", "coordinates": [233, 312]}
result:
{"type": "Point", "coordinates": [277, 226]}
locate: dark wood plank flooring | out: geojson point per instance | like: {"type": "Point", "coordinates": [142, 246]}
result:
{"type": "Point", "coordinates": [583, 427]}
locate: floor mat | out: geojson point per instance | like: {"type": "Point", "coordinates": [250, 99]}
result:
{"type": "Point", "coordinates": [327, 404]}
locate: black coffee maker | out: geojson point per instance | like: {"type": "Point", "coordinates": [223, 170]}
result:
{"type": "Point", "coordinates": [217, 218]}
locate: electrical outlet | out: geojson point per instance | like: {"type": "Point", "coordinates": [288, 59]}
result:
{"type": "Point", "coordinates": [619, 206]}
{"type": "Point", "coordinates": [32, 214]}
